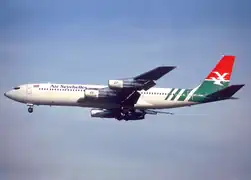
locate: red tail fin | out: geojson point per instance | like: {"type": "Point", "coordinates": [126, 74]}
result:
{"type": "Point", "coordinates": [218, 78]}
{"type": "Point", "coordinates": [223, 69]}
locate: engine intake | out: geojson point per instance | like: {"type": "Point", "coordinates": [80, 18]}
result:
{"type": "Point", "coordinates": [99, 93]}
{"type": "Point", "coordinates": [92, 93]}
{"type": "Point", "coordinates": [125, 84]}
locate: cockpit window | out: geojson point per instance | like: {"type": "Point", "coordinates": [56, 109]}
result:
{"type": "Point", "coordinates": [16, 88]}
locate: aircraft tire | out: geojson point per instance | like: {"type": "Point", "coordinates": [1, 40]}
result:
{"type": "Point", "coordinates": [30, 110]}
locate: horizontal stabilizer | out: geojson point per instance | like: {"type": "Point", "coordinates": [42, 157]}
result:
{"type": "Point", "coordinates": [156, 73]}
{"type": "Point", "coordinates": [225, 93]}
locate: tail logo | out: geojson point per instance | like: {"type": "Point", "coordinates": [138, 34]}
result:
{"type": "Point", "coordinates": [219, 79]}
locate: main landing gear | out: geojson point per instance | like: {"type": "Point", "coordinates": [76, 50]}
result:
{"type": "Point", "coordinates": [30, 108]}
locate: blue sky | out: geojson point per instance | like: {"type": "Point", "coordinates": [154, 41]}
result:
{"type": "Point", "coordinates": [91, 42]}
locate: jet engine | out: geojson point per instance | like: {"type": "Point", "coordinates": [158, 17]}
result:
{"type": "Point", "coordinates": [99, 93]}
{"type": "Point", "coordinates": [130, 115]}
{"type": "Point", "coordinates": [102, 113]}
{"type": "Point", "coordinates": [126, 84]}
{"type": "Point", "coordinates": [92, 93]}
{"type": "Point", "coordinates": [135, 115]}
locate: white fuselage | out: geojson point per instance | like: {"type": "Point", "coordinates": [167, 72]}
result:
{"type": "Point", "coordinates": [73, 95]}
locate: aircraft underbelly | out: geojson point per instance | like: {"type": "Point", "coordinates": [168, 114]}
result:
{"type": "Point", "coordinates": [67, 99]}
{"type": "Point", "coordinates": [162, 104]}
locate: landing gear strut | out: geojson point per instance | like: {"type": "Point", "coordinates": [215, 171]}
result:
{"type": "Point", "coordinates": [30, 109]}
{"type": "Point", "coordinates": [120, 116]}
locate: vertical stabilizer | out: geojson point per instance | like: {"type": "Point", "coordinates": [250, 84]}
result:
{"type": "Point", "coordinates": [218, 78]}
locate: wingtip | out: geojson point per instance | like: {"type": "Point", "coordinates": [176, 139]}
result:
{"type": "Point", "coordinates": [168, 67]}
{"type": "Point", "coordinates": [238, 85]}
{"type": "Point", "coordinates": [234, 98]}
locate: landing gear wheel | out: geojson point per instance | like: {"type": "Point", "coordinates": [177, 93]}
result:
{"type": "Point", "coordinates": [30, 109]}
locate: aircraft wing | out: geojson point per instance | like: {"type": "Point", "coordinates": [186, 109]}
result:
{"type": "Point", "coordinates": [129, 98]}
{"type": "Point", "coordinates": [147, 80]}
{"type": "Point", "coordinates": [125, 91]}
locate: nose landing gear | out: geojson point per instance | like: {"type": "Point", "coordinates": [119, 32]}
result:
{"type": "Point", "coordinates": [30, 109]}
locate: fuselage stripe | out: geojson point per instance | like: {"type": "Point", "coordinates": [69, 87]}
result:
{"type": "Point", "coordinates": [191, 93]}
{"type": "Point", "coordinates": [184, 95]}
{"type": "Point", "coordinates": [180, 93]}
{"type": "Point", "coordinates": [169, 94]}
{"type": "Point", "coordinates": [175, 94]}
{"type": "Point", "coordinates": [174, 91]}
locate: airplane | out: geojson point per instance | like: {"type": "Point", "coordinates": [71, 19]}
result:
{"type": "Point", "coordinates": [131, 98]}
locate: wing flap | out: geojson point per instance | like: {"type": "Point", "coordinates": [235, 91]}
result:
{"type": "Point", "coordinates": [148, 85]}
{"type": "Point", "coordinates": [131, 99]}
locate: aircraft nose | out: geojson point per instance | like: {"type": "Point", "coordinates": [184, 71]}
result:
{"type": "Point", "coordinates": [6, 94]}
